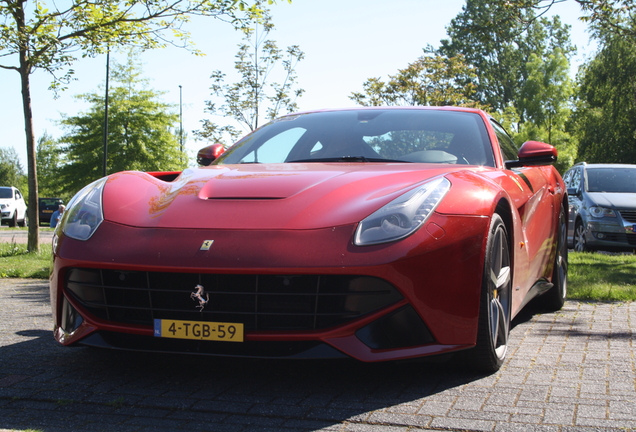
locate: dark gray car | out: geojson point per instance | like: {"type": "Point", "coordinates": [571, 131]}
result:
{"type": "Point", "coordinates": [602, 214]}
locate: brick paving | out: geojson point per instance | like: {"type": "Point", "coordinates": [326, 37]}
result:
{"type": "Point", "coordinates": [574, 370]}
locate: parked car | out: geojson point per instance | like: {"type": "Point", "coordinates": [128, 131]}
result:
{"type": "Point", "coordinates": [371, 233]}
{"type": "Point", "coordinates": [602, 207]}
{"type": "Point", "coordinates": [47, 207]}
{"type": "Point", "coordinates": [13, 207]}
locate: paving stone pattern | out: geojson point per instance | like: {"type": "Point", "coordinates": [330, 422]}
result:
{"type": "Point", "coordinates": [568, 371]}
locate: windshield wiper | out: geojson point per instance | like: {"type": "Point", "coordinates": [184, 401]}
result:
{"type": "Point", "coordinates": [345, 159]}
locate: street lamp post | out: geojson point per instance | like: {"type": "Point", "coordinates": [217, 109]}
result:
{"type": "Point", "coordinates": [106, 116]}
{"type": "Point", "coordinates": [181, 119]}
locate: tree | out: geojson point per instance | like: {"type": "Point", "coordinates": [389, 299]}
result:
{"type": "Point", "coordinates": [11, 171]}
{"type": "Point", "coordinates": [545, 101]}
{"type": "Point", "coordinates": [50, 159]}
{"type": "Point", "coordinates": [606, 110]}
{"type": "Point", "coordinates": [254, 96]}
{"type": "Point", "coordinates": [142, 131]}
{"type": "Point", "coordinates": [497, 42]}
{"type": "Point", "coordinates": [614, 16]}
{"type": "Point", "coordinates": [48, 35]}
{"type": "Point", "coordinates": [430, 80]}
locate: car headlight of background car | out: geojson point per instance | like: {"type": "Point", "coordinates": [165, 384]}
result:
{"type": "Point", "coordinates": [84, 212]}
{"type": "Point", "coordinates": [599, 212]}
{"type": "Point", "coordinates": [402, 216]}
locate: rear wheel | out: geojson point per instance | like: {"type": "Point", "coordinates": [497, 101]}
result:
{"type": "Point", "coordinates": [555, 297]}
{"type": "Point", "coordinates": [496, 300]}
{"type": "Point", "coordinates": [25, 222]}
{"type": "Point", "coordinates": [580, 244]}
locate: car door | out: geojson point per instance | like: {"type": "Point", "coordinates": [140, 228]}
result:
{"type": "Point", "coordinates": [574, 182]}
{"type": "Point", "coordinates": [20, 205]}
{"type": "Point", "coordinates": [534, 199]}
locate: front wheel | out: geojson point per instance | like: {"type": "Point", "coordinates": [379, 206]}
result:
{"type": "Point", "coordinates": [496, 300]}
{"type": "Point", "coordinates": [580, 244]}
{"type": "Point", "coordinates": [14, 220]}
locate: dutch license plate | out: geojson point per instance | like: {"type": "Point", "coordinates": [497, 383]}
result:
{"type": "Point", "coordinates": [199, 330]}
{"type": "Point", "coordinates": [47, 211]}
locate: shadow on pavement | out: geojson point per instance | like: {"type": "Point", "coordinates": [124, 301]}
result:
{"type": "Point", "coordinates": [47, 387]}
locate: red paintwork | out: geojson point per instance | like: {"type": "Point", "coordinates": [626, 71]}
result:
{"type": "Point", "coordinates": [536, 148]}
{"type": "Point", "coordinates": [300, 218]}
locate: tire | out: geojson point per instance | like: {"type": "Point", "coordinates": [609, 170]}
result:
{"type": "Point", "coordinates": [25, 222]}
{"type": "Point", "coordinates": [495, 303]}
{"type": "Point", "coordinates": [580, 244]}
{"type": "Point", "coordinates": [14, 220]}
{"type": "Point", "coordinates": [555, 297]}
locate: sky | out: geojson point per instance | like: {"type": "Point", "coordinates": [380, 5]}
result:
{"type": "Point", "coordinates": [345, 42]}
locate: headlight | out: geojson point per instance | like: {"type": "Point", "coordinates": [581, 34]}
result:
{"type": "Point", "coordinates": [84, 212]}
{"type": "Point", "coordinates": [599, 212]}
{"type": "Point", "coordinates": [402, 216]}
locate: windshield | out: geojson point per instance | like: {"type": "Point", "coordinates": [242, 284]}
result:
{"type": "Point", "coordinates": [50, 203]}
{"type": "Point", "coordinates": [376, 135]}
{"type": "Point", "coordinates": [613, 180]}
{"type": "Point", "coordinates": [6, 192]}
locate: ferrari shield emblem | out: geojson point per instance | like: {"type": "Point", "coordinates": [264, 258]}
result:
{"type": "Point", "coordinates": [207, 244]}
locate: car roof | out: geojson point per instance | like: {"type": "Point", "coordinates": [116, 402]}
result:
{"type": "Point", "coordinates": [371, 108]}
{"type": "Point", "coordinates": [608, 165]}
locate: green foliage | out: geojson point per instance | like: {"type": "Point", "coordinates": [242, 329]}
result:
{"type": "Point", "coordinates": [253, 97]}
{"type": "Point", "coordinates": [17, 262]}
{"type": "Point", "coordinates": [140, 131]}
{"type": "Point", "coordinates": [613, 16]}
{"type": "Point", "coordinates": [54, 34]}
{"type": "Point", "coordinates": [49, 36]}
{"type": "Point", "coordinates": [11, 171]}
{"type": "Point", "coordinates": [597, 276]}
{"type": "Point", "coordinates": [606, 109]}
{"type": "Point", "coordinates": [430, 80]}
{"type": "Point", "coordinates": [545, 101]}
{"type": "Point", "coordinates": [498, 41]}
{"type": "Point", "coordinates": [50, 159]}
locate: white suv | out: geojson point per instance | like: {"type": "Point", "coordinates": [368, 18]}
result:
{"type": "Point", "coordinates": [12, 205]}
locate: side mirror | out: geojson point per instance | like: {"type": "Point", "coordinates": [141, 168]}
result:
{"type": "Point", "coordinates": [209, 154]}
{"type": "Point", "coordinates": [573, 191]}
{"type": "Point", "coordinates": [534, 153]}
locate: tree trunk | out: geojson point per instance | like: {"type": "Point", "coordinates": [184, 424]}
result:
{"type": "Point", "coordinates": [33, 244]}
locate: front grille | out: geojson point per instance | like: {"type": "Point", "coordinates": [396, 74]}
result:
{"type": "Point", "coordinates": [628, 215]}
{"type": "Point", "coordinates": [631, 239]}
{"type": "Point", "coordinates": [260, 302]}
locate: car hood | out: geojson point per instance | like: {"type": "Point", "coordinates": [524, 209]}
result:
{"type": "Point", "coordinates": [6, 201]}
{"type": "Point", "coordinates": [614, 200]}
{"type": "Point", "coordinates": [262, 196]}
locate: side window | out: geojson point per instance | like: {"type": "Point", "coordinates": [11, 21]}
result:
{"type": "Point", "coordinates": [508, 148]}
{"type": "Point", "coordinates": [575, 181]}
{"type": "Point", "coordinates": [572, 179]}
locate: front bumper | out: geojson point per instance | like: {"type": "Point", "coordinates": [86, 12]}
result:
{"type": "Point", "coordinates": [611, 236]}
{"type": "Point", "coordinates": [435, 275]}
